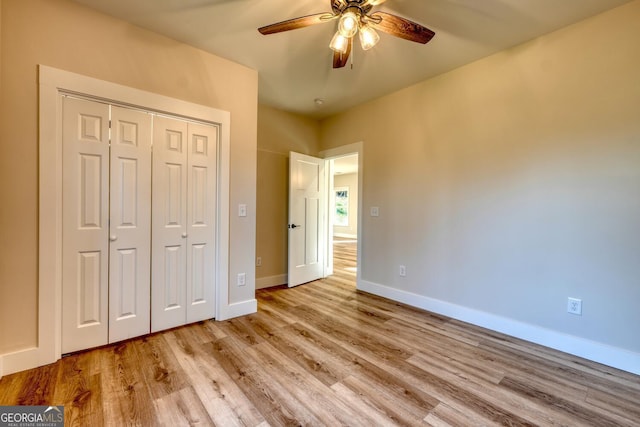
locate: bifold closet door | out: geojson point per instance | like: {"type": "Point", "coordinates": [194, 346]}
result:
{"type": "Point", "coordinates": [130, 224]}
{"type": "Point", "coordinates": [106, 224]}
{"type": "Point", "coordinates": [183, 224]}
{"type": "Point", "coordinates": [202, 186]}
{"type": "Point", "coordinates": [85, 240]}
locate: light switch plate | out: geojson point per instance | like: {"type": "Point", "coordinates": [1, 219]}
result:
{"type": "Point", "coordinates": [242, 210]}
{"type": "Point", "coordinates": [375, 211]}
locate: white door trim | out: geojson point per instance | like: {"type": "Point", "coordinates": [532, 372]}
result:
{"type": "Point", "coordinates": [52, 83]}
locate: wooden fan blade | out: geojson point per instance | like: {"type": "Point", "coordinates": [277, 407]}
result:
{"type": "Point", "coordinates": [373, 2]}
{"type": "Point", "coordinates": [340, 59]}
{"type": "Point", "coordinates": [294, 24]}
{"type": "Point", "coordinates": [403, 28]}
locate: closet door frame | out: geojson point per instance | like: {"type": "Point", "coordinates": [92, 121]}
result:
{"type": "Point", "coordinates": [53, 85]}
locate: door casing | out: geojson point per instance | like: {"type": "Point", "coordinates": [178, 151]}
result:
{"type": "Point", "coordinates": [345, 150]}
{"type": "Point", "coordinates": [52, 84]}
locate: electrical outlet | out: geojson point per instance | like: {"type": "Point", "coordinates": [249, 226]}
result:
{"type": "Point", "coordinates": [574, 306]}
{"type": "Point", "coordinates": [375, 211]}
{"type": "Point", "coordinates": [403, 271]}
{"type": "Point", "coordinates": [242, 279]}
{"type": "Point", "coordinates": [259, 261]}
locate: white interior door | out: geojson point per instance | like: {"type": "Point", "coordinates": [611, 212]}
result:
{"type": "Point", "coordinates": [169, 223]}
{"type": "Point", "coordinates": [130, 224]}
{"type": "Point", "coordinates": [85, 243]}
{"type": "Point", "coordinates": [306, 218]}
{"type": "Point", "coordinates": [201, 219]}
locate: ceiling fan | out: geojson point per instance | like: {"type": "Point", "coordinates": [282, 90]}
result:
{"type": "Point", "coordinates": [355, 16]}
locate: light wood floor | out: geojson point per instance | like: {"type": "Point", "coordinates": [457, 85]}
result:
{"type": "Point", "coordinates": [326, 354]}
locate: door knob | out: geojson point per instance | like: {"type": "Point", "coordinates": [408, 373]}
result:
{"type": "Point", "coordinates": [184, 235]}
{"type": "Point", "coordinates": [113, 237]}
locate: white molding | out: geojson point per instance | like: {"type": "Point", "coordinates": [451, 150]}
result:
{"type": "Point", "coordinates": [602, 353]}
{"type": "Point", "coordinates": [53, 82]}
{"type": "Point", "coordinates": [21, 360]}
{"type": "Point", "coordinates": [222, 244]}
{"type": "Point", "coordinates": [269, 281]}
{"type": "Point", "coordinates": [238, 309]}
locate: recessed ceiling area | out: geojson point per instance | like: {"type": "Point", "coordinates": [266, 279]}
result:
{"type": "Point", "coordinates": [295, 67]}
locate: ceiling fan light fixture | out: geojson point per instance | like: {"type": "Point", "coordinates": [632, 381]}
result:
{"type": "Point", "coordinates": [368, 37]}
{"type": "Point", "coordinates": [339, 43]}
{"type": "Point", "coordinates": [348, 24]}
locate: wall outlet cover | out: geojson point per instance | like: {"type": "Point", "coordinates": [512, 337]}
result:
{"type": "Point", "coordinates": [574, 306]}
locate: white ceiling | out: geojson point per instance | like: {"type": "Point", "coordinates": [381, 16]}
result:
{"type": "Point", "coordinates": [295, 67]}
{"type": "Point", "coordinates": [345, 165]}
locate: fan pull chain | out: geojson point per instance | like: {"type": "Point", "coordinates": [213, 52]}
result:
{"type": "Point", "coordinates": [353, 53]}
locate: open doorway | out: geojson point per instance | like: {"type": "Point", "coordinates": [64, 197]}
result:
{"type": "Point", "coordinates": [343, 216]}
{"type": "Point", "coordinates": [312, 214]}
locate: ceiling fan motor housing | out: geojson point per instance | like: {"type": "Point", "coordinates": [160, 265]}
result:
{"type": "Point", "coordinates": [340, 6]}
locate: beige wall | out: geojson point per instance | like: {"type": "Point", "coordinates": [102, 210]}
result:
{"type": "Point", "coordinates": [279, 133]}
{"type": "Point", "coordinates": [512, 183]}
{"type": "Point", "coordinates": [348, 180]}
{"type": "Point", "coordinates": [64, 35]}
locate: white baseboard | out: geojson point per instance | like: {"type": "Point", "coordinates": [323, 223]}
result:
{"type": "Point", "coordinates": [238, 309]}
{"type": "Point", "coordinates": [21, 360]}
{"type": "Point", "coordinates": [591, 350]}
{"type": "Point", "coordinates": [269, 281]}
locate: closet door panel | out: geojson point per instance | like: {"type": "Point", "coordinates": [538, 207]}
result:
{"type": "Point", "coordinates": [169, 224]}
{"type": "Point", "coordinates": [201, 214]}
{"type": "Point", "coordinates": [130, 219]}
{"type": "Point", "coordinates": [85, 247]}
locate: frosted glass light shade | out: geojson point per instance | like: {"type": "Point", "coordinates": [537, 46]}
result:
{"type": "Point", "coordinates": [348, 25]}
{"type": "Point", "coordinates": [368, 37]}
{"type": "Point", "coordinates": [339, 43]}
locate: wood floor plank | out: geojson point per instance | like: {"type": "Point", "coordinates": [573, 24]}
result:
{"type": "Point", "coordinates": [444, 415]}
{"type": "Point", "coordinates": [575, 413]}
{"type": "Point", "coordinates": [275, 308]}
{"type": "Point", "coordinates": [11, 385]}
{"type": "Point", "coordinates": [359, 367]}
{"type": "Point", "coordinates": [399, 411]}
{"type": "Point", "coordinates": [541, 365]}
{"type": "Point", "coordinates": [351, 332]}
{"type": "Point", "coordinates": [242, 329]}
{"type": "Point", "coordinates": [310, 392]}
{"type": "Point", "coordinates": [79, 391]}
{"type": "Point", "coordinates": [484, 398]}
{"type": "Point", "coordinates": [126, 398]}
{"type": "Point", "coordinates": [223, 400]}
{"type": "Point", "coordinates": [40, 386]}
{"type": "Point", "coordinates": [273, 400]}
{"type": "Point", "coordinates": [611, 403]}
{"type": "Point", "coordinates": [367, 411]}
{"type": "Point", "coordinates": [182, 408]}
{"type": "Point", "coordinates": [301, 351]}
{"type": "Point", "coordinates": [161, 371]}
